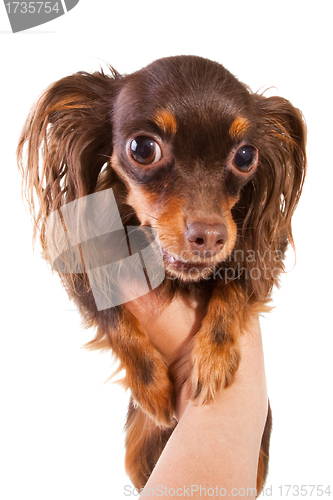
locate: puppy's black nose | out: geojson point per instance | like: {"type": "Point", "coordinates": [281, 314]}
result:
{"type": "Point", "coordinates": [206, 239]}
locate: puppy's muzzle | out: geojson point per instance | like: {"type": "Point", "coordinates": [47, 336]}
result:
{"type": "Point", "coordinates": [206, 240]}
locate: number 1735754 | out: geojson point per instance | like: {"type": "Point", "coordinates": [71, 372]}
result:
{"type": "Point", "coordinates": [32, 7]}
{"type": "Point", "coordinates": [312, 490]}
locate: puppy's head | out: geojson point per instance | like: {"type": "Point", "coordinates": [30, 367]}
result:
{"type": "Point", "coordinates": [187, 148]}
{"type": "Point", "coordinates": [199, 154]}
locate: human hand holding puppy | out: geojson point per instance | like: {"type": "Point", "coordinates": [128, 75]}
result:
{"type": "Point", "coordinates": [207, 447]}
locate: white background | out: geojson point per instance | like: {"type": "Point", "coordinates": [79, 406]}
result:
{"type": "Point", "coordinates": [60, 424]}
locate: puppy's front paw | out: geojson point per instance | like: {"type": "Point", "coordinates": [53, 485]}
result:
{"type": "Point", "coordinates": [153, 391]}
{"type": "Point", "coordinates": [214, 367]}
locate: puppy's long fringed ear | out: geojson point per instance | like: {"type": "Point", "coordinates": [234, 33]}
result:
{"type": "Point", "coordinates": [65, 142]}
{"type": "Point", "coordinates": [273, 193]}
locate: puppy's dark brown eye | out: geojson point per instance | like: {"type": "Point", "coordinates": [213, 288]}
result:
{"type": "Point", "coordinates": [245, 158]}
{"type": "Point", "coordinates": [144, 150]}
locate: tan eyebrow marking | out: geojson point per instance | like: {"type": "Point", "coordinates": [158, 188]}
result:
{"type": "Point", "coordinates": [239, 126]}
{"type": "Point", "coordinates": [166, 121]}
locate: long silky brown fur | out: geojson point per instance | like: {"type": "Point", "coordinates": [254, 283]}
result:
{"type": "Point", "coordinates": [74, 144]}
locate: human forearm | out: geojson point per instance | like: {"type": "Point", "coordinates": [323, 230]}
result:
{"type": "Point", "coordinates": [218, 444]}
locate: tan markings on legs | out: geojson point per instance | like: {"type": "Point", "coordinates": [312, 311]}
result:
{"type": "Point", "coordinates": [146, 371]}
